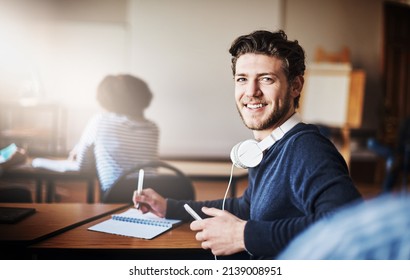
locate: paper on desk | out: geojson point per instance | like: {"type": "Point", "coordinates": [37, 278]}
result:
{"type": "Point", "coordinates": [55, 165]}
{"type": "Point", "coordinates": [133, 223]}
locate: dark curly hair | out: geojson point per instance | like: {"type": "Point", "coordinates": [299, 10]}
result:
{"type": "Point", "coordinates": [273, 44]}
{"type": "Point", "coordinates": [124, 94]}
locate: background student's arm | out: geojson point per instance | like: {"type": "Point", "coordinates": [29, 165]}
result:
{"type": "Point", "coordinates": [83, 152]}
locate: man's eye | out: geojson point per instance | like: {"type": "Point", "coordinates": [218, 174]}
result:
{"type": "Point", "coordinates": [266, 80]}
{"type": "Point", "coordinates": [240, 80]}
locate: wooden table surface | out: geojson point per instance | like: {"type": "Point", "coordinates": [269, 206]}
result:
{"type": "Point", "coordinates": [51, 219]}
{"type": "Point", "coordinates": [81, 243]}
{"type": "Point", "coordinates": [180, 237]}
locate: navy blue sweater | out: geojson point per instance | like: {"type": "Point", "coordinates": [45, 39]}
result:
{"type": "Point", "coordinates": [301, 178]}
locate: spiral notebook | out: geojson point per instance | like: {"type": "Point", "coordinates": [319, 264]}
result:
{"type": "Point", "coordinates": [56, 165]}
{"type": "Point", "coordinates": [134, 223]}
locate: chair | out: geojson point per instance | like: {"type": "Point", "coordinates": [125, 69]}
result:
{"type": "Point", "coordinates": [174, 184]}
{"type": "Point", "coordinates": [15, 194]}
{"type": "Point", "coordinates": [396, 158]}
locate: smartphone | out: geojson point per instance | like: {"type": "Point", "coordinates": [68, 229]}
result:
{"type": "Point", "coordinates": [192, 212]}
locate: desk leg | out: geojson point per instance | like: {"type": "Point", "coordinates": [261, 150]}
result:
{"type": "Point", "coordinates": [39, 191]}
{"type": "Point", "coordinates": [50, 191]}
{"type": "Point", "coordinates": [90, 191]}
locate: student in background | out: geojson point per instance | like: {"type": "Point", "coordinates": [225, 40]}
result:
{"type": "Point", "coordinates": [121, 137]}
{"type": "Point", "coordinates": [377, 229]}
{"type": "Point", "coordinates": [301, 177]}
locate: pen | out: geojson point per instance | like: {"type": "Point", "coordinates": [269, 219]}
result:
{"type": "Point", "coordinates": [140, 183]}
{"type": "Point", "coordinates": [192, 212]}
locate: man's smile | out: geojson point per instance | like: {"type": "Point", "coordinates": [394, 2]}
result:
{"type": "Point", "coordinates": [255, 105]}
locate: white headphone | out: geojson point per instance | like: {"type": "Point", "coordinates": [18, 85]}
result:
{"type": "Point", "coordinates": [249, 153]}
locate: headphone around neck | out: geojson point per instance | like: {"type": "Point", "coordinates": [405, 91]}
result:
{"type": "Point", "coordinates": [249, 153]}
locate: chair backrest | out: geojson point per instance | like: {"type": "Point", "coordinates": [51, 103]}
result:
{"type": "Point", "coordinates": [175, 185]}
{"type": "Point", "coordinates": [397, 158]}
{"type": "Point", "coordinates": [15, 194]}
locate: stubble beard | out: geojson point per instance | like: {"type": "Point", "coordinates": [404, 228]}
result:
{"type": "Point", "coordinates": [278, 113]}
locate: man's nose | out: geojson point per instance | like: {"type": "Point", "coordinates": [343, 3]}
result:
{"type": "Point", "coordinates": [253, 89]}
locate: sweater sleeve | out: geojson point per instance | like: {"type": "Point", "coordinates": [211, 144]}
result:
{"type": "Point", "coordinates": [238, 206]}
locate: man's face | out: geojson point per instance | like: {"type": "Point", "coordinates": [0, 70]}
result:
{"type": "Point", "coordinates": [262, 92]}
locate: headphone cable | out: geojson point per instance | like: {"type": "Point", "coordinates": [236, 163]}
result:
{"type": "Point", "coordinates": [227, 189]}
{"type": "Point", "coordinates": [226, 194]}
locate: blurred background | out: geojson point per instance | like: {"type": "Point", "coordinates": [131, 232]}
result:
{"type": "Point", "coordinates": [54, 53]}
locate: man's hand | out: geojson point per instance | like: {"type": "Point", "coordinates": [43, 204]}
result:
{"type": "Point", "coordinates": [223, 233]}
{"type": "Point", "coordinates": [150, 201]}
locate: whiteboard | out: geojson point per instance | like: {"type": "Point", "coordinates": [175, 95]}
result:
{"type": "Point", "coordinates": [325, 97]}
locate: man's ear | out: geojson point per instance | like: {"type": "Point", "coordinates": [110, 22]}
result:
{"type": "Point", "coordinates": [297, 85]}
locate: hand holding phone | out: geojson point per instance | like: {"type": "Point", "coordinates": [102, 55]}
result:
{"type": "Point", "coordinates": [192, 212]}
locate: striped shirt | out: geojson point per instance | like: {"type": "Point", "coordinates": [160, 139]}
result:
{"type": "Point", "coordinates": [113, 143]}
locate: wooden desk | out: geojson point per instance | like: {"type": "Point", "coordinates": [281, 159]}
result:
{"type": "Point", "coordinates": [49, 220]}
{"type": "Point", "coordinates": [80, 243]}
{"type": "Point", "coordinates": [40, 176]}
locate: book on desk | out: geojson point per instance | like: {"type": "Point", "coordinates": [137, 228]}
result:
{"type": "Point", "coordinates": [134, 223]}
{"type": "Point", "coordinates": [60, 165]}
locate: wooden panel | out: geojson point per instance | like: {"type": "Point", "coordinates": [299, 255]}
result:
{"type": "Point", "coordinates": [396, 68]}
{"type": "Point", "coordinates": [356, 98]}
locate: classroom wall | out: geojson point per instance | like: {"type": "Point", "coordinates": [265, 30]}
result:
{"type": "Point", "coordinates": [180, 48]}
{"type": "Point", "coordinates": [61, 50]}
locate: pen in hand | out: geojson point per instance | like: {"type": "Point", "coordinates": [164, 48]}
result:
{"type": "Point", "coordinates": [140, 183]}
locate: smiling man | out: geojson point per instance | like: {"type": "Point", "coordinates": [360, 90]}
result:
{"type": "Point", "coordinates": [299, 176]}
{"type": "Point", "coordinates": [263, 96]}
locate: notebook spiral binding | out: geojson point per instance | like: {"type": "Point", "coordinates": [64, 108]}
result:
{"type": "Point", "coordinates": [141, 221]}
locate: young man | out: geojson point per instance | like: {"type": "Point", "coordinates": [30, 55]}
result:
{"type": "Point", "coordinates": [301, 176]}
